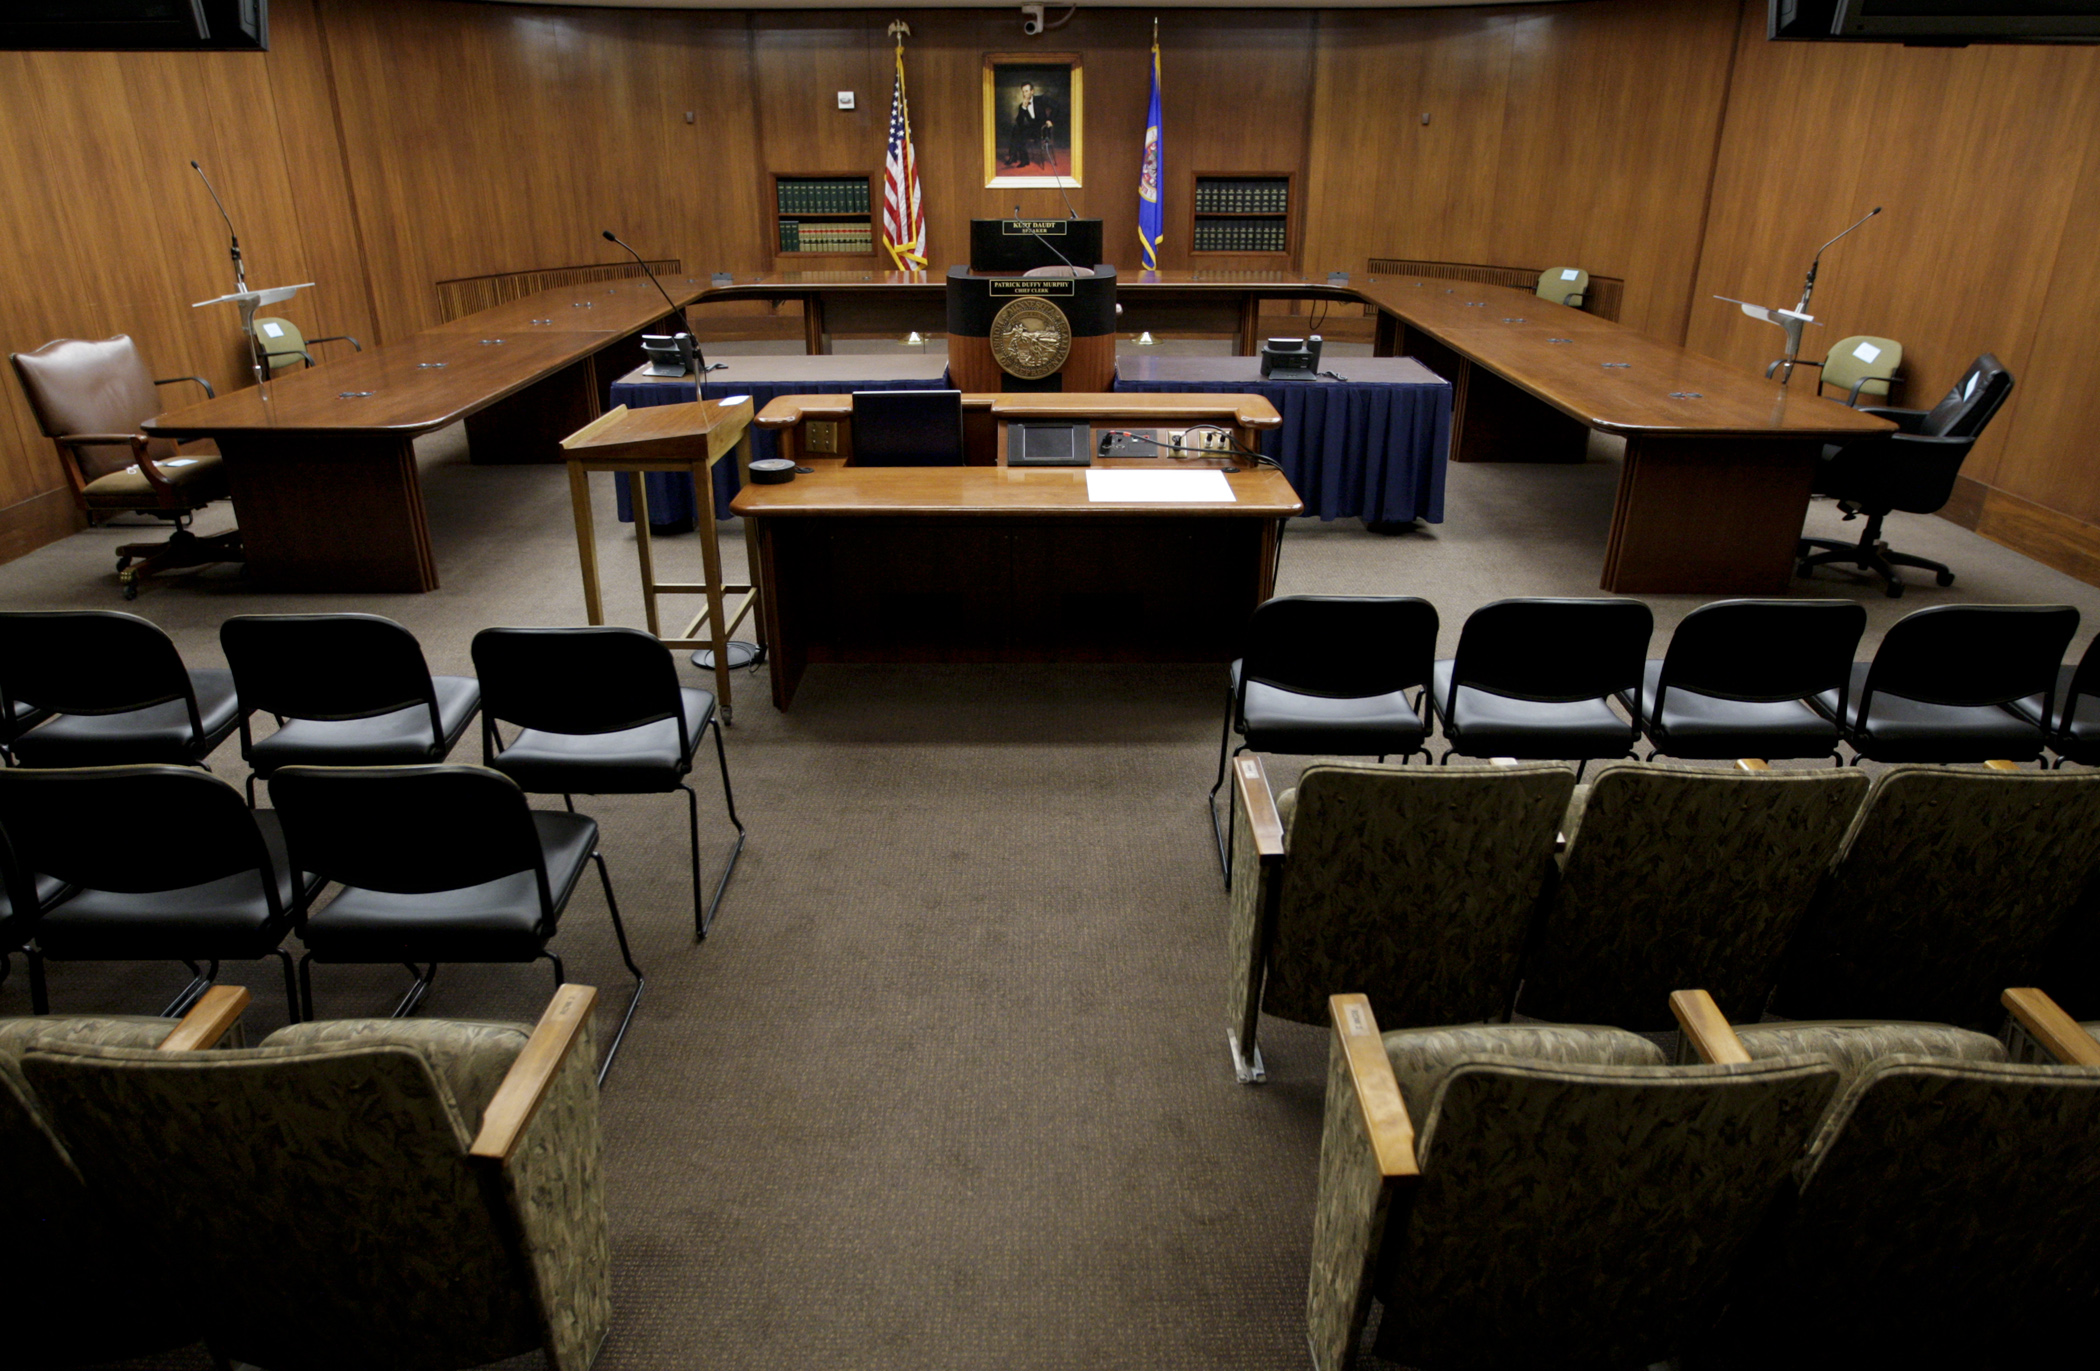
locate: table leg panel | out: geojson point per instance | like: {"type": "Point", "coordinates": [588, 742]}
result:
{"type": "Point", "coordinates": [529, 425]}
{"type": "Point", "coordinates": [330, 511]}
{"type": "Point", "coordinates": [1708, 516]}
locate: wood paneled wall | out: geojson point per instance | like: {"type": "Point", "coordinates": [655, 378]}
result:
{"type": "Point", "coordinates": [380, 147]}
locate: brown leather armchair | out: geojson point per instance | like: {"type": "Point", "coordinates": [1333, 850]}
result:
{"type": "Point", "coordinates": [90, 399]}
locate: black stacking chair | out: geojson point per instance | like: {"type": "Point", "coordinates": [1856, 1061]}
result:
{"type": "Point", "coordinates": [17, 718]}
{"type": "Point", "coordinates": [1943, 685]}
{"type": "Point", "coordinates": [1535, 679]}
{"type": "Point", "coordinates": [601, 713]}
{"type": "Point", "coordinates": [147, 863]}
{"type": "Point", "coordinates": [1739, 675]}
{"type": "Point", "coordinates": [1912, 469]}
{"type": "Point", "coordinates": [1328, 675]}
{"type": "Point", "coordinates": [437, 864]}
{"type": "Point", "coordinates": [2074, 724]}
{"type": "Point", "coordinates": [117, 687]}
{"type": "Point", "coordinates": [346, 690]}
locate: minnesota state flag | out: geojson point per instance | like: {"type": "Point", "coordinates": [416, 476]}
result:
{"type": "Point", "coordinates": [1152, 217]}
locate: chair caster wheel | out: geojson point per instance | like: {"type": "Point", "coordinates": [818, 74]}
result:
{"type": "Point", "coordinates": [1945, 578]}
{"type": "Point", "coordinates": [1895, 590]}
{"type": "Point", "coordinates": [1803, 570]}
{"type": "Point", "coordinates": [131, 590]}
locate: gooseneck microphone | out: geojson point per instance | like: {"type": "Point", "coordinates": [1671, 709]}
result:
{"type": "Point", "coordinates": [687, 348]}
{"type": "Point", "coordinates": [1808, 287]}
{"type": "Point", "coordinates": [240, 272]}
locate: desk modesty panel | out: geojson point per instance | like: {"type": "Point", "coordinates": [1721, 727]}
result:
{"type": "Point", "coordinates": [989, 563]}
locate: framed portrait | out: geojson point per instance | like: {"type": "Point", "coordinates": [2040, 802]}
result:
{"type": "Point", "coordinates": [1034, 108]}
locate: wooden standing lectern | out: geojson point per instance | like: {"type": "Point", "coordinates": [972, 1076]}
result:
{"type": "Point", "coordinates": [691, 437]}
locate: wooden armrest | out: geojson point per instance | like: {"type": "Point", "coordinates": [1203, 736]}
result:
{"type": "Point", "coordinates": [209, 1020]}
{"type": "Point", "coordinates": [1752, 764]}
{"type": "Point", "coordinates": [2045, 1022]}
{"type": "Point", "coordinates": [1706, 1028]}
{"type": "Point", "coordinates": [518, 1098]}
{"type": "Point", "coordinates": [1386, 1125]}
{"type": "Point", "coordinates": [1251, 782]}
{"type": "Point", "coordinates": [102, 439]}
{"type": "Point", "coordinates": [2000, 764]}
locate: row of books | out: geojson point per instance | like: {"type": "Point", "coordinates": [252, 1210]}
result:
{"type": "Point", "coordinates": [1241, 197]}
{"type": "Point", "coordinates": [1265, 235]}
{"type": "Point", "coordinates": [823, 197]}
{"type": "Point", "coordinates": [796, 236]}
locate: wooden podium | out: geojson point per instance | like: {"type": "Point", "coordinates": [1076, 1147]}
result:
{"type": "Point", "coordinates": [690, 438]}
{"type": "Point", "coordinates": [1088, 304]}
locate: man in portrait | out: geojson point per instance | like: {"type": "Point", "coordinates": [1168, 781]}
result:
{"type": "Point", "coordinates": [1029, 140]}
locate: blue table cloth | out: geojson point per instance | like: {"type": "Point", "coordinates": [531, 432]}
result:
{"type": "Point", "coordinates": [1373, 447]}
{"type": "Point", "coordinates": [671, 504]}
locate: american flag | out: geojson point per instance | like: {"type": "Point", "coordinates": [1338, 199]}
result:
{"type": "Point", "coordinates": [903, 216]}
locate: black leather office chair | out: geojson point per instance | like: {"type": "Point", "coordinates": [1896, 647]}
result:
{"type": "Point", "coordinates": [1535, 679]}
{"type": "Point", "coordinates": [1912, 470]}
{"type": "Point", "coordinates": [117, 687]}
{"type": "Point", "coordinates": [1739, 675]}
{"type": "Point", "coordinates": [437, 864]}
{"type": "Point", "coordinates": [346, 689]}
{"type": "Point", "coordinates": [601, 713]}
{"type": "Point", "coordinates": [907, 428]}
{"type": "Point", "coordinates": [2072, 718]}
{"type": "Point", "coordinates": [1328, 675]}
{"type": "Point", "coordinates": [1943, 683]}
{"type": "Point", "coordinates": [198, 878]}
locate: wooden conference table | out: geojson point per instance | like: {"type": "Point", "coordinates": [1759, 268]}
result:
{"type": "Point", "coordinates": [1715, 483]}
{"type": "Point", "coordinates": [1711, 497]}
{"type": "Point", "coordinates": [992, 563]}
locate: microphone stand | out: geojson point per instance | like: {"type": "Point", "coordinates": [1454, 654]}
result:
{"type": "Point", "coordinates": [242, 298]}
{"type": "Point", "coordinates": [1792, 321]}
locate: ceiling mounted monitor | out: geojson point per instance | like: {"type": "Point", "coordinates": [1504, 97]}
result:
{"type": "Point", "coordinates": [1935, 22]}
{"type": "Point", "coordinates": [135, 25]}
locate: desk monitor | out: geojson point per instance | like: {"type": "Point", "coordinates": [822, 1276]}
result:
{"type": "Point", "coordinates": [907, 428]}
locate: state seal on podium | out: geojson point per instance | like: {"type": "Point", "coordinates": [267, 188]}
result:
{"type": "Point", "coordinates": [1031, 338]}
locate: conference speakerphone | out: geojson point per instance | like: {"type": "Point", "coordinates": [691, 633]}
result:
{"type": "Point", "coordinates": [1049, 445]}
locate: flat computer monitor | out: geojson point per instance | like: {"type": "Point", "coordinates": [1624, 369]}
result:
{"type": "Point", "coordinates": [907, 428]}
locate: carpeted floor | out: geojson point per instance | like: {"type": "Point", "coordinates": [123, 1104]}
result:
{"type": "Point", "coordinates": [947, 1087]}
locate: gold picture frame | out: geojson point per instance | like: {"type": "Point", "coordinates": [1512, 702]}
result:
{"type": "Point", "coordinates": [1045, 149]}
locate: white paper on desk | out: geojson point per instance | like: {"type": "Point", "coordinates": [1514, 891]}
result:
{"type": "Point", "coordinates": [1118, 487]}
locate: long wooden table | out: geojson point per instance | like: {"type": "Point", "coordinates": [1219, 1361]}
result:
{"type": "Point", "coordinates": [991, 563]}
{"type": "Point", "coordinates": [1711, 496]}
{"type": "Point", "coordinates": [322, 461]}
{"type": "Point", "coordinates": [1715, 482]}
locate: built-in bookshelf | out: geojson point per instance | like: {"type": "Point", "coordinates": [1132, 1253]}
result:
{"type": "Point", "coordinates": [824, 214]}
{"type": "Point", "coordinates": [1242, 213]}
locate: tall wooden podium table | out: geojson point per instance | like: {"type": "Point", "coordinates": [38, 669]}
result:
{"type": "Point", "coordinates": [992, 563]}
{"type": "Point", "coordinates": [689, 438]}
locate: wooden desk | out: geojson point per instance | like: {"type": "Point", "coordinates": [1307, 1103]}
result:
{"type": "Point", "coordinates": [999, 564]}
{"type": "Point", "coordinates": [1715, 484]}
{"type": "Point", "coordinates": [688, 438]}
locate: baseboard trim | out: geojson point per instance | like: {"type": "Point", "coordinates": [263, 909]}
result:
{"type": "Point", "coordinates": [40, 519]}
{"type": "Point", "coordinates": [2050, 536]}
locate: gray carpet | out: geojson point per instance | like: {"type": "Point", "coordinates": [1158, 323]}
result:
{"type": "Point", "coordinates": [947, 1087]}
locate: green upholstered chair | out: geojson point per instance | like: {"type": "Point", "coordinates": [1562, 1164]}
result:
{"type": "Point", "coordinates": [281, 345]}
{"type": "Point", "coordinates": [1680, 875]}
{"type": "Point", "coordinates": [57, 1231]}
{"type": "Point", "coordinates": [1947, 1212]}
{"type": "Point", "coordinates": [1859, 365]}
{"type": "Point", "coordinates": [1565, 1199]}
{"type": "Point", "coordinates": [1416, 886]}
{"type": "Point", "coordinates": [1564, 286]}
{"type": "Point", "coordinates": [1952, 885]}
{"type": "Point", "coordinates": [421, 1195]}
